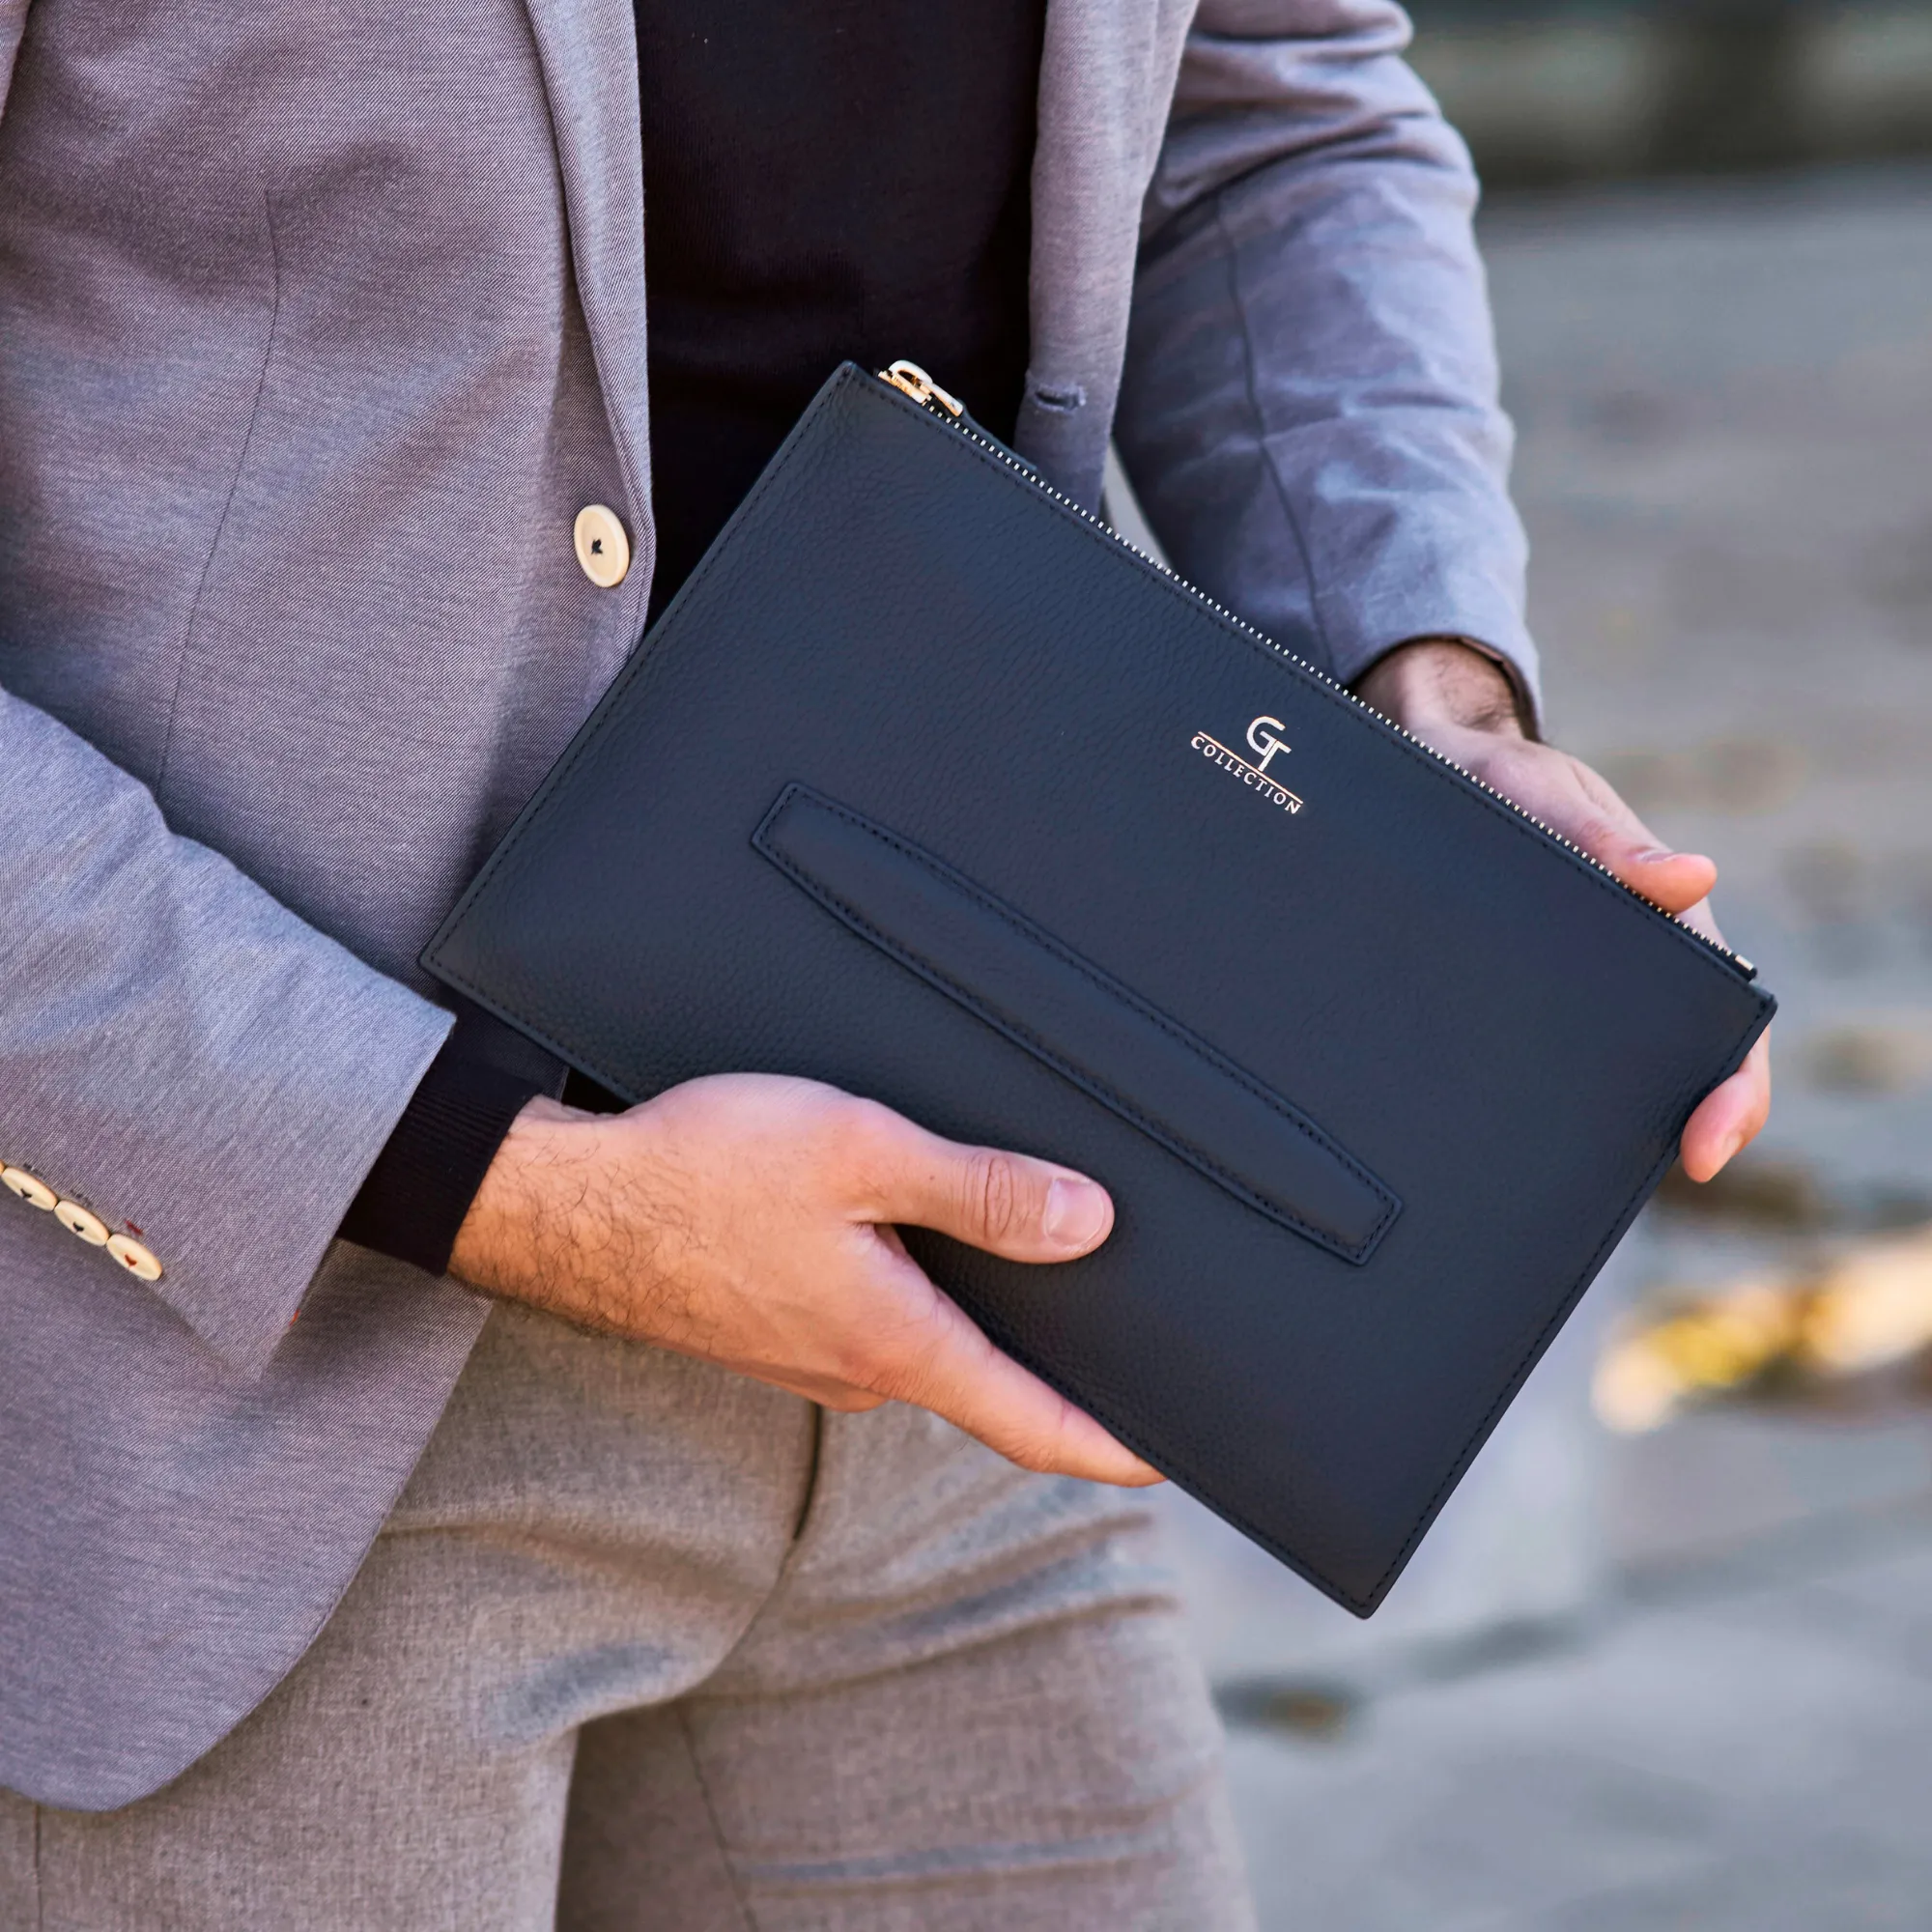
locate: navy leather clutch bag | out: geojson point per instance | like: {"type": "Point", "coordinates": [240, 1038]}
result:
{"type": "Point", "coordinates": [929, 786]}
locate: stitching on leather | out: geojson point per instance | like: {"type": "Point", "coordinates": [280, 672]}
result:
{"type": "Point", "coordinates": [1039, 937]}
{"type": "Point", "coordinates": [898, 948]}
{"type": "Point", "coordinates": [1087, 1082]}
{"type": "Point", "coordinates": [1099, 1090]}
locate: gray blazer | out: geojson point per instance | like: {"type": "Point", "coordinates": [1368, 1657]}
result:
{"type": "Point", "coordinates": [319, 322]}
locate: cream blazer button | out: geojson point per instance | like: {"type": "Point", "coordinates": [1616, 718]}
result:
{"type": "Point", "coordinates": [134, 1258]}
{"type": "Point", "coordinates": [602, 547]}
{"type": "Point", "coordinates": [31, 1189]}
{"type": "Point", "coordinates": [76, 1220]}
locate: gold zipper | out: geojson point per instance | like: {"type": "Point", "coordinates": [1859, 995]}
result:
{"type": "Point", "coordinates": [921, 387]}
{"type": "Point", "coordinates": [911, 380]}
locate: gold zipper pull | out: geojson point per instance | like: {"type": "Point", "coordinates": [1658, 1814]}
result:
{"type": "Point", "coordinates": [921, 387]}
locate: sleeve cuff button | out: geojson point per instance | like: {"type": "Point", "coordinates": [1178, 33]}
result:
{"type": "Point", "coordinates": [134, 1258]}
{"type": "Point", "coordinates": [31, 1189]}
{"type": "Point", "coordinates": [77, 1221]}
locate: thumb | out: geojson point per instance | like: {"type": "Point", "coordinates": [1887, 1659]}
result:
{"type": "Point", "coordinates": [1676, 881]}
{"type": "Point", "coordinates": [1598, 820]}
{"type": "Point", "coordinates": [1008, 1204]}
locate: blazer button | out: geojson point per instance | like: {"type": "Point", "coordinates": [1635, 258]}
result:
{"type": "Point", "coordinates": [602, 547]}
{"type": "Point", "coordinates": [35, 1192]}
{"type": "Point", "coordinates": [134, 1258]}
{"type": "Point", "coordinates": [76, 1220]}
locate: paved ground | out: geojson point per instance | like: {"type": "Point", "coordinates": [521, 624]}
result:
{"type": "Point", "coordinates": [1751, 1763]}
{"type": "Point", "coordinates": [1685, 1680]}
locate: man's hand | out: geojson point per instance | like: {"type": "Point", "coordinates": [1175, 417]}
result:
{"type": "Point", "coordinates": [748, 1220]}
{"type": "Point", "coordinates": [1452, 698]}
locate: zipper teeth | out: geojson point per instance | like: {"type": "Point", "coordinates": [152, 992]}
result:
{"type": "Point", "coordinates": [1242, 624]}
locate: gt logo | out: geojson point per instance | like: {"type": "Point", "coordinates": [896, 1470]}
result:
{"type": "Point", "coordinates": [1262, 740]}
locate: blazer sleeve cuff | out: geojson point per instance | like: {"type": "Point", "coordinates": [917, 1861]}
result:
{"type": "Point", "coordinates": [243, 1232]}
{"type": "Point", "coordinates": [185, 1065]}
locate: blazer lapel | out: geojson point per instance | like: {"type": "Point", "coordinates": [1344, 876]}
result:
{"type": "Point", "coordinates": [1106, 80]}
{"type": "Point", "coordinates": [588, 50]}
{"type": "Point", "coordinates": [1107, 75]}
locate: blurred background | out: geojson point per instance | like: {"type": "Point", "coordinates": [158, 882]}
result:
{"type": "Point", "coordinates": [1667, 1659]}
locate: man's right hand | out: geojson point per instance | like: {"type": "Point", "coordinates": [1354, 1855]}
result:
{"type": "Point", "coordinates": [750, 1220]}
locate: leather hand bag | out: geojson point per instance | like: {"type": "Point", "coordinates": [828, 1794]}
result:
{"type": "Point", "coordinates": [928, 785]}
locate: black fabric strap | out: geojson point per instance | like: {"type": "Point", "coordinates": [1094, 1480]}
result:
{"type": "Point", "coordinates": [413, 1203]}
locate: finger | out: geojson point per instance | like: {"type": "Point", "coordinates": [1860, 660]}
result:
{"type": "Point", "coordinates": [1575, 801]}
{"type": "Point", "coordinates": [948, 1366]}
{"type": "Point", "coordinates": [1676, 881]}
{"type": "Point", "coordinates": [1616, 837]}
{"type": "Point", "coordinates": [1008, 1204]}
{"type": "Point", "coordinates": [1731, 1116]}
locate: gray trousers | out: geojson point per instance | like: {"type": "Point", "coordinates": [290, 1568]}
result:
{"type": "Point", "coordinates": [646, 1645]}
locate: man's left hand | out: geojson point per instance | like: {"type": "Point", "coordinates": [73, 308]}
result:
{"type": "Point", "coordinates": [1460, 703]}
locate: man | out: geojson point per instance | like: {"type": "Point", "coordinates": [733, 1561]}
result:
{"type": "Point", "coordinates": [338, 474]}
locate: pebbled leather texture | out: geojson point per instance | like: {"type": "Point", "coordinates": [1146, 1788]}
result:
{"type": "Point", "coordinates": [927, 786]}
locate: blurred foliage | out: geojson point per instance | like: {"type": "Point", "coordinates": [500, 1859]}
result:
{"type": "Point", "coordinates": [1850, 1333]}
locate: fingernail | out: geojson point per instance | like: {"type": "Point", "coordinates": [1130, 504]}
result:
{"type": "Point", "coordinates": [1076, 1211]}
{"type": "Point", "coordinates": [1730, 1148]}
{"type": "Point", "coordinates": [1662, 855]}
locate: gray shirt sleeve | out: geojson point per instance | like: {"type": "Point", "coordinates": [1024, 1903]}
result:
{"type": "Point", "coordinates": [1309, 412]}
